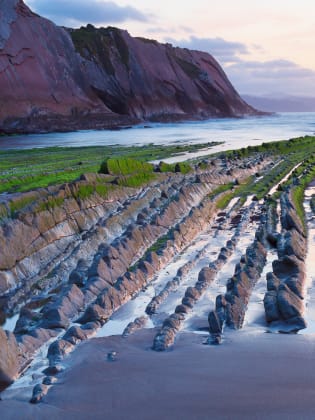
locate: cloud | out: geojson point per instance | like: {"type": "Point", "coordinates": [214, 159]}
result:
{"type": "Point", "coordinates": [81, 12]}
{"type": "Point", "coordinates": [279, 76]}
{"type": "Point", "coordinates": [252, 76]}
{"type": "Point", "coordinates": [224, 51]}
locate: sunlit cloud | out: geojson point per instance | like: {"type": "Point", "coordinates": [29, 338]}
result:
{"type": "Point", "coordinates": [81, 12]}
{"type": "Point", "coordinates": [224, 51]}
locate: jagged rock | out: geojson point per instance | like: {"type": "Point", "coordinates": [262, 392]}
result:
{"type": "Point", "coordinates": [215, 325]}
{"type": "Point", "coordinates": [192, 293]}
{"type": "Point", "coordinates": [75, 335]}
{"type": "Point", "coordinates": [34, 339]}
{"type": "Point", "coordinates": [273, 282]}
{"type": "Point", "coordinates": [112, 356]}
{"type": "Point", "coordinates": [189, 302]}
{"type": "Point", "coordinates": [79, 275]}
{"type": "Point", "coordinates": [137, 324]}
{"type": "Point", "coordinates": [289, 217]}
{"type": "Point", "coordinates": [173, 321]}
{"type": "Point", "coordinates": [57, 350]}
{"type": "Point", "coordinates": [55, 318]}
{"type": "Point", "coordinates": [94, 313]}
{"type": "Point", "coordinates": [58, 314]}
{"type": "Point", "coordinates": [49, 380]}
{"type": "Point", "coordinates": [182, 309]}
{"type": "Point", "coordinates": [26, 321]}
{"type": "Point", "coordinates": [39, 392]}
{"type": "Point", "coordinates": [206, 275]}
{"type": "Point", "coordinates": [110, 299]}
{"type": "Point", "coordinates": [290, 305]}
{"type": "Point", "coordinates": [53, 370]}
{"type": "Point", "coordinates": [294, 244]}
{"type": "Point", "coordinates": [8, 358]}
{"type": "Point", "coordinates": [164, 339]}
{"type": "Point", "coordinates": [272, 312]}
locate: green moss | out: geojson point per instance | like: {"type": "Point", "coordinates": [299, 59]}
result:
{"type": "Point", "coordinates": [223, 201]}
{"type": "Point", "coordinates": [124, 166]}
{"type": "Point", "coordinates": [24, 170]}
{"type": "Point", "coordinates": [84, 191]}
{"type": "Point", "coordinates": [183, 167]}
{"type": "Point", "coordinates": [135, 181]}
{"type": "Point", "coordinates": [222, 188]}
{"type": "Point", "coordinates": [50, 203]}
{"type": "Point", "coordinates": [19, 204]}
{"type": "Point", "coordinates": [94, 44]}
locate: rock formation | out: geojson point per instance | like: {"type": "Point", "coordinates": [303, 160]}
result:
{"type": "Point", "coordinates": [52, 78]}
{"type": "Point", "coordinates": [284, 300]}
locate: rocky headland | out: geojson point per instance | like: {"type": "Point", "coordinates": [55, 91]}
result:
{"type": "Point", "coordinates": [54, 78]}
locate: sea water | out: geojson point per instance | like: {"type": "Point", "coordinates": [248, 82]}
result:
{"type": "Point", "coordinates": [234, 132]}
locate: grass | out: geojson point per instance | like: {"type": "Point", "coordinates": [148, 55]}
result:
{"type": "Point", "coordinates": [25, 170]}
{"type": "Point", "coordinates": [124, 166]}
{"type": "Point", "coordinates": [223, 201]}
{"type": "Point", "coordinates": [135, 181]}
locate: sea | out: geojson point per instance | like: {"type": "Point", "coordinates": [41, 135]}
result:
{"type": "Point", "coordinates": [233, 132]}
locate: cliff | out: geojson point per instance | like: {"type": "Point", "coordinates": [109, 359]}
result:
{"type": "Point", "coordinates": [55, 78]}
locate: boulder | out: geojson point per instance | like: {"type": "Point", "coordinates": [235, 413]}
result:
{"type": "Point", "coordinates": [8, 358]}
{"type": "Point", "coordinates": [272, 312]}
{"type": "Point", "coordinates": [75, 335]}
{"type": "Point", "coordinates": [39, 392]}
{"type": "Point", "coordinates": [273, 282]}
{"type": "Point", "coordinates": [58, 349]}
{"type": "Point", "coordinates": [290, 305]}
{"type": "Point", "coordinates": [215, 325]}
{"type": "Point", "coordinates": [94, 313]}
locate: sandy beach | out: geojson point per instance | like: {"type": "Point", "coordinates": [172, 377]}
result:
{"type": "Point", "coordinates": [250, 376]}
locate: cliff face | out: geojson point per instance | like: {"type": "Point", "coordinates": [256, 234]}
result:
{"type": "Point", "coordinates": [40, 72]}
{"type": "Point", "coordinates": [146, 79]}
{"type": "Point", "coordinates": [52, 78]}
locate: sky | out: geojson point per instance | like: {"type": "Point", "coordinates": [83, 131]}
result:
{"type": "Point", "coordinates": [267, 48]}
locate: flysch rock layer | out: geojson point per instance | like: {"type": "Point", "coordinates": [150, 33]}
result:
{"type": "Point", "coordinates": [284, 300]}
{"type": "Point", "coordinates": [111, 260]}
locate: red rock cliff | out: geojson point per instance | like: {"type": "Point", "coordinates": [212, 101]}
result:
{"type": "Point", "coordinates": [52, 78]}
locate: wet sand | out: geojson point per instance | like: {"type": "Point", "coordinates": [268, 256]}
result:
{"type": "Point", "coordinates": [250, 376]}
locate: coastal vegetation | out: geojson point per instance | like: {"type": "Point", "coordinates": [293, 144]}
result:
{"type": "Point", "coordinates": [25, 170]}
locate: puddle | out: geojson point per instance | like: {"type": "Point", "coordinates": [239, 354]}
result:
{"type": "Point", "coordinates": [10, 323]}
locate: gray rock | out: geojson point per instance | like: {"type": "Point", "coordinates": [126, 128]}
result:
{"type": "Point", "coordinates": [273, 282]}
{"type": "Point", "coordinates": [271, 306]}
{"type": "Point", "coordinates": [39, 392]}
{"type": "Point", "coordinates": [215, 325]}
{"type": "Point", "coordinates": [8, 358]}
{"type": "Point", "coordinates": [290, 305]}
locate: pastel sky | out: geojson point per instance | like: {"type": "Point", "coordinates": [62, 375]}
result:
{"type": "Point", "coordinates": [266, 47]}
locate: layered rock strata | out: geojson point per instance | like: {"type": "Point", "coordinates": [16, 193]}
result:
{"type": "Point", "coordinates": [230, 308]}
{"type": "Point", "coordinates": [166, 336]}
{"type": "Point", "coordinates": [56, 79]}
{"type": "Point", "coordinates": [284, 300]}
{"type": "Point", "coordinates": [106, 269]}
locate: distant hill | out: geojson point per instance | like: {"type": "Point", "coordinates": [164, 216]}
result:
{"type": "Point", "coordinates": [282, 104]}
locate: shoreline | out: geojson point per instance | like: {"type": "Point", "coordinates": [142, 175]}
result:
{"type": "Point", "coordinates": [248, 375]}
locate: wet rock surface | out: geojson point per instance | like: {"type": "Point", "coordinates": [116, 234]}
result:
{"type": "Point", "coordinates": [113, 258]}
{"type": "Point", "coordinates": [284, 301]}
